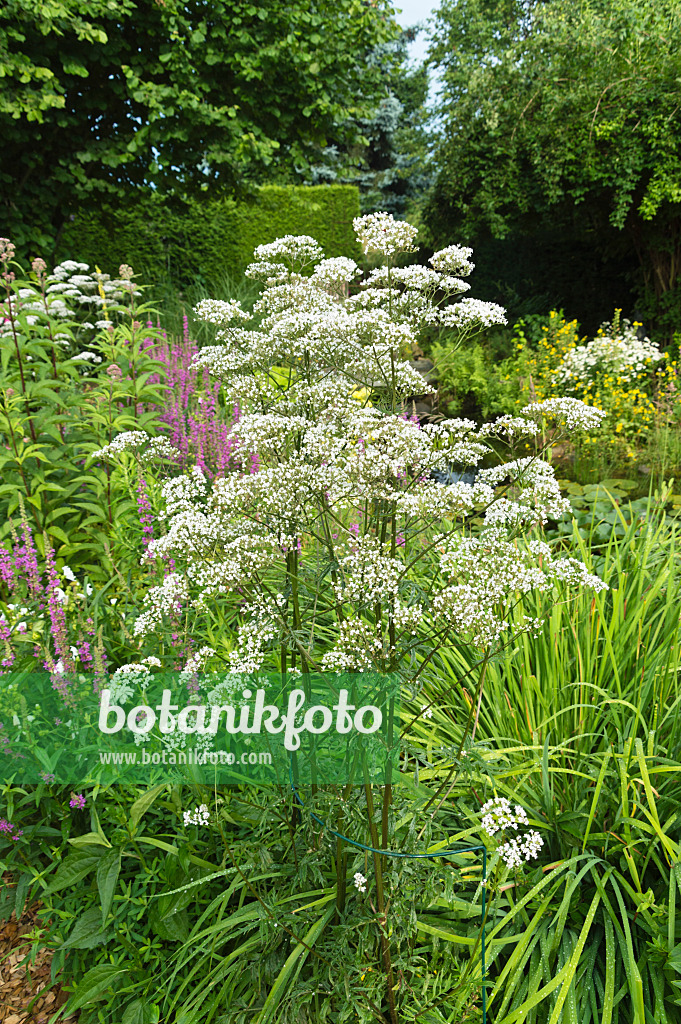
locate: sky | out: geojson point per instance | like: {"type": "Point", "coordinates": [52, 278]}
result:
{"type": "Point", "coordinates": [413, 11]}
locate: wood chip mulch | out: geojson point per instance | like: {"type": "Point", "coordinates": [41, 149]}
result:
{"type": "Point", "coordinates": [26, 993]}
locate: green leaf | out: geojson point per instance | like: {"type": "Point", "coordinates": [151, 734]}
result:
{"type": "Point", "coordinates": [144, 802]}
{"type": "Point", "coordinates": [74, 868]}
{"type": "Point", "coordinates": [292, 968]}
{"type": "Point", "coordinates": [108, 870]}
{"type": "Point", "coordinates": [90, 839]}
{"type": "Point", "coordinates": [140, 1011]}
{"type": "Point", "coordinates": [87, 931]}
{"type": "Point", "coordinates": [94, 984]}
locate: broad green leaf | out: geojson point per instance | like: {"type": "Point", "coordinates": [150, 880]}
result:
{"type": "Point", "coordinates": [107, 877]}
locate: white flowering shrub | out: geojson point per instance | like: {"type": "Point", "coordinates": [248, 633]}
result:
{"type": "Point", "coordinates": [343, 552]}
{"type": "Point", "coordinates": [616, 352]}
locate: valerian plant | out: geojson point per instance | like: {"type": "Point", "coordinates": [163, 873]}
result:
{"type": "Point", "coordinates": [345, 551]}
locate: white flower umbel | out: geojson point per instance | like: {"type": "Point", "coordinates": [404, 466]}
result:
{"type": "Point", "coordinates": [498, 817]}
{"type": "Point", "coordinates": [149, 449]}
{"type": "Point", "coordinates": [334, 272]}
{"type": "Point", "coordinates": [473, 315]}
{"type": "Point", "coordinates": [126, 680]}
{"type": "Point", "coordinates": [215, 311]}
{"type": "Point", "coordinates": [515, 852]}
{"type": "Point", "coordinates": [199, 816]}
{"type": "Point", "coordinates": [455, 259]}
{"type": "Point", "coordinates": [622, 355]}
{"type": "Point", "coordinates": [381, 235]}
{"type": "Point", "coordinates": [359, 882]}
{"type": "Point", "coordinates": [568, 412]}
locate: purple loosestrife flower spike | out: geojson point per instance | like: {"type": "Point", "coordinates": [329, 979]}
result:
{"type": "Point", "coordinates": [7, 570]}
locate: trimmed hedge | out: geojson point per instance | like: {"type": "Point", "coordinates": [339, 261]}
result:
{"type": "Point", "coordinates": [211, 238]}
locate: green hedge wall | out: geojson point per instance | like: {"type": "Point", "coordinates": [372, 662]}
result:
{"type": "Point", "coordinates": [211, 238]}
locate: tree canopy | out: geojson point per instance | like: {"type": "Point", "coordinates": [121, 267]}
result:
{"type": "Point", "coordinates": [564, 109]}
{"type": "Point", "coordinates": [100, 100]}
{"type": "Point", "coordinates": [388, 159]}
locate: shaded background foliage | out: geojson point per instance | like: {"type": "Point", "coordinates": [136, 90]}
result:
{"type": "Point", "coordinates": [563, 117]}
{"type": "Point", "coordinates": [208, 239]}
{"type": "Point", "coordinates": [181, 98]}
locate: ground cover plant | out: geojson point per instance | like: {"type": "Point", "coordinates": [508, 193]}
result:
{"type": "Point", "coordinates": [275, 506]}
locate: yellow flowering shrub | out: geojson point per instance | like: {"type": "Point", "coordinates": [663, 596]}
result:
{"type": "Point", "coordinates": [639, 396]}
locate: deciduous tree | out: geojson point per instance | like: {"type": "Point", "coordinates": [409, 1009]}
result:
{"type": "Point", "coordinates": [566, 109]}
{"type": "Point", "coordinates": [100, 101]}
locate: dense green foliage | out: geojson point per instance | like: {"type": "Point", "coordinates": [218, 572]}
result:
{"type": "Point", "coordinates": [388, 162]}
{"type": "Point", "coordinates": [178, 97]}
{"type": "Point", "coordinates": [565, 114]}
{"type": "Point", "coordinates": [207, 240]}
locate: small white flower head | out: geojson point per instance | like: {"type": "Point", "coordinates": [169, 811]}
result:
{"type": "Point", "coordinates": [473, 314]}
{"type": "Point", "coordinates": [575, 415]}
{"type": "Point", "coordinates": [426, 712]}
{"type": "Point", "coordinates": [524, 848]}
{"type": "Point", "coordinates": [220, 313]}
{"type": "Point", "coordinates": [455, 259]}
{"type": "Point", "coordinates": [498, 815]}
{"type": "Point", "coordinates": [199, 816]}
{"type": "Point", "coordinates": [334, 272]}
{"type": "Point", "coordinates": [68, 574]}
{"type": "Point", "coordinates": [125, 681]}
{"type": "Point", "coordinates": [271, 273]}
{"type": "Point", "coordinates": [339, 268]}
{"type": "Point", "coordinates": [360, 882]}
{"type": "Point", "coordinates": [380, 234]}
{"type": "Point", "coordinates": [133, 440]}
{"type": "Point", "coordinates": [291, 250]}
{"type": "Point", "coordinates": [87, 357]}
{"type": "Point", "coordinates": [152, 661]}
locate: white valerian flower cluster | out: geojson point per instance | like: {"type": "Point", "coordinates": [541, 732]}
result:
{"type": "Point", "coordinates": [148, 448]}
{"type": "Point", "coordinates": [88, 357]}
{"type": "Point", "coordinates": [216, 311]}
{"type": "Point", "coordinates": [339, 270]}
{"type": "Point", "coordinates": [515, 852]}
{"type": "Point", "coordinates": [620, 354]}
{"type": "Point", "coordinates": [126, 680]}
{"type": "Point", "coordinates": [356, 543]}
{"type": "Point", "coordinates": [199, 816]}
{"type": "Point", "coordinates": [473, 313]}
{"type": "Point", "coordinates": [380, 234]}
{"type": "Point", "coordinates": [568, 412]}
{"type": "Point", "coordinates": [360, 882]}
{"type": "Point", "coordinates": [455, 259]}
{"type": "Point", "coordinates": [497, 817]}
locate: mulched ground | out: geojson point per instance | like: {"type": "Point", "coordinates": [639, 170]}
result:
{"type": "Point", "coordinates": [26, 994]}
